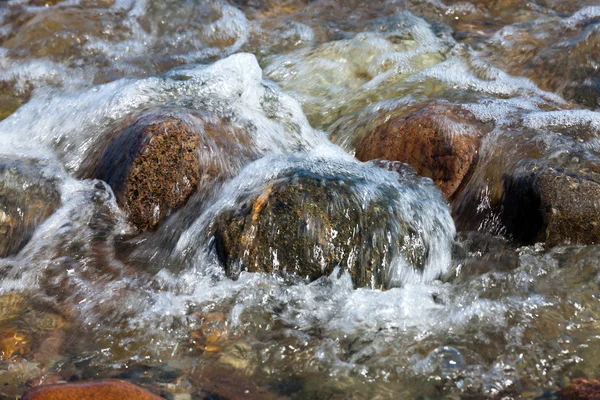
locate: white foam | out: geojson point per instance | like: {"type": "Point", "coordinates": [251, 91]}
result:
{"type": "Point", "coordinates": [69, 123]}
{"type": "Point", "coordinates": [456, 72]}
{"type": "Point", "coordinates": [581, 16]}
{"type": "Point", "coordinates": [563, 118]}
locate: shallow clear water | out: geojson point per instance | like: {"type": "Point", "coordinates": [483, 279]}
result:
{"type": "Point", "coordinates": [485, 318]}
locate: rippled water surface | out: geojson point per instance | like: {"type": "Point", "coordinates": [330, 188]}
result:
{"type": "Point", "coordinates": [481, 317]}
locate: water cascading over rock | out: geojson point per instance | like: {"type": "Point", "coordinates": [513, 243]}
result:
{"type": "Point", "coordinates": [28, 195]}
{"type": "Point", "coordinates": [302, 216]}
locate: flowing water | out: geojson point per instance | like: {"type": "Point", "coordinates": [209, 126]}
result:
{"type": "Point", "coordinates": [481, 318]}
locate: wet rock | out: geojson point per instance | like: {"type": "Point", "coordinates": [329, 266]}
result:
{"type": "Point", "coordinates": [27, 197]}
{"type": "Point", "coordinates": [155, 161]}
{"type": "Point", "coordinates": [581, 389]}
{"type": "Point", "coordinates": [536, 48]}
{"type": "Point", "coordinates": [478, 206]}
{"type": "Point", "coordinates": [305, 223]}
{"type": "Point", "coordinates": [439, 141]}
{"type": "Point", "coordinates": [271, 8]}
{"type": "Point", "coordinates": [60, 33]}
{"type": "Point", "coordinates": [477, 253]}
{"type": "Point", "coordinates": [543, 203]}
{"type": "Point", "coordinates": [577, 76]}
{"type": "Point", "coordinates": [11, 98]}
{"type": "Point", "coordinates": [94, 390]}
{"type": "Point", "coordinates": [226, 383]}
{"type": "Point", "coordinates": [14, 343]}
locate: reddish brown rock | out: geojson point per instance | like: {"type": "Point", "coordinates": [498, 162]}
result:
{"type": "Point", "coordinates": [155, 161]}
{"type": "Point", "coordinates": [96, 390]}
{"type": "Point", "coordinates": [581, 389]}
{"type": "Point", "coordinates": [439, 141]}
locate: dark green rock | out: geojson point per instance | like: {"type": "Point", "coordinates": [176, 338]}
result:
{"type": "Point", "coordinates": [305, 224]}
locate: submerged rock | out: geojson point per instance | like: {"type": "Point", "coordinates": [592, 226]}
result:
{"type": "Point", "coordinates": [543, 203]}
{"type": "Point", "coordinates": [155, 161]}
{"type": "Point", "coordinates": [109, 389]}
{"type": "Point", "coordinates": [12, 97]}
{"type": "Point", "coordinates": [537, 48]}
{"type": "Point", "coordinates": [308, 221]}
{"type": "Point", "coordinates": [59, 33]}
{"type": "Point", "coordinates": [25, 325]}
{"type": "Point", "coordinates": [581, 389]}
{"type": "Point", "coordinates": [439, 141]}
{"type": "Point", "coordinates": [576, 77]}
{"type": "Point", "coordinates": [27, 197]}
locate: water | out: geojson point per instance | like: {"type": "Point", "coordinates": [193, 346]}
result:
{"type": "Point", "coordinates": [476, 316]}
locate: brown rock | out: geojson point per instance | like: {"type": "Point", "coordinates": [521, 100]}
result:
{"type": "Point", "coordinates": [226, 383]}
{"type": "Point", "coordinates": [60, 32]}
{"type": "Point", "coordinates": [581, 389]}
{"type": "Point", "coordinates": [155, 161]}
{"type": "Point", "coordinates": [555, 205]}
{"type": "Point", "coordinates": [95, 390]}
{"type": "Point", "coordinates": [11, 98]}
{"type": "Point", "coordinates": [576, 77]}
{"type": "Point", "coordinates": [27, 198]}
{"type": "Point", "coordinates": [439, 141]}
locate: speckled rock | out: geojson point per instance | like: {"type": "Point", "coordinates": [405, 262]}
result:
{"type": "Point", "coordinates": [439, 141]}
{"type": "Point", "coordinates": [94, 390]}
{"type": "Point", "coordinates": [155, 161]}
{"type": "Point", "coordinates": [542, 203]}
{"type": "Point", "coordinates": [27, 197]}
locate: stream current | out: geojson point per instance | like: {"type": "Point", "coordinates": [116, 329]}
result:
{"type": "Point", "coordinates": [485, 317]}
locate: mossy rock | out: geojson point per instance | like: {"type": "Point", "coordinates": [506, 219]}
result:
{"type": "Point", "coordinates": [27, 198]}
{"type": "Point", "coordinates": [305, 224]}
